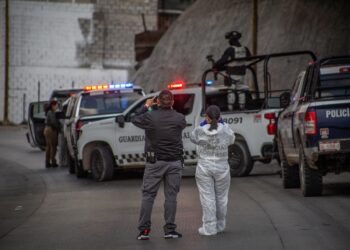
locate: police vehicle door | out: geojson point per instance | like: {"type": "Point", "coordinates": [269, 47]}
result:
{"type": "Point", "coordinates": [184, 103]}
{"type": "Point", "coordinates": [130, 140]}
{"type": "Point", "coordinates": [69, 127]}
{"type": "Point", "coordinates": [36, 124]}
{"type": "Point", "coordinates": [286, 122]}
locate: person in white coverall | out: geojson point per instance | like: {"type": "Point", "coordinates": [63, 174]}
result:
{"type": "Point", "coordinates": [213, 172]}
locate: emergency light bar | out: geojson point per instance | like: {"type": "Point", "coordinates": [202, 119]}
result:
{"type": "Point", "coordinates": [182, 84]}
{"type": "Point", "coordinates": [109, 86]}
{"type": "Point", "coordinates": [176, 85]}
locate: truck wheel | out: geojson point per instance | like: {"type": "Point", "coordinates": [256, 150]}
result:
{"type": "Point", "coordinates": [239, 159]}
{"type": "Point", "coordinates": [102, 166]}
{"type": "Point", "coordinates": [290, 174]}
{"type": "Point", "coordinates": [310, 179]}
{"type": "Point", "coordinates": [79, 170]}
{"type": "Point", "coordinates": [71, 164]}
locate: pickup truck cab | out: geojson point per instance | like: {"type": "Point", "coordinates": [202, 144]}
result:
{"type": "Point", "coordinates": [95, 102]}
{"type": "Point", "coordinates": [313, 131]}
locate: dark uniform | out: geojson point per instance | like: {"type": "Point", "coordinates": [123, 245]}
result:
{"type": "Point", "coordinates": [235, 69]}
{"type": "Point", "coordinates": [51, 130]}
{"type": "Point", "coordinates": [163, 128]}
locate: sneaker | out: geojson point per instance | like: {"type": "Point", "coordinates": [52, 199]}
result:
{"type": "Point", "coordinates": [144, 235]}
{"type": "Point", "coordinates": [202, 231]}
{"type": "Point", "coordinates": [172, 235]}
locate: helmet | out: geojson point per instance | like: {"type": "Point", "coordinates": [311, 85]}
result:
{"type": "Point", "coordinates": [233, 35]}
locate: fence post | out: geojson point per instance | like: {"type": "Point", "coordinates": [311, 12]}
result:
{"type": "Point", "coordinates": [38, 96]}
{"type": "Point", "coordinates": [24, 108]}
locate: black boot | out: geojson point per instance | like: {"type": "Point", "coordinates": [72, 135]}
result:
{"type": "Point", "coordinates": [54, 164]}
{"type": "Point", "coordinates": [48, 165]}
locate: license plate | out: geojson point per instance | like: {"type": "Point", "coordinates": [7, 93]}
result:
{"type": "Point", "coordinates": [330, 146]}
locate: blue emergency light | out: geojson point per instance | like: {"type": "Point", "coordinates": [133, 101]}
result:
{"type": "Point", "coordinates": [112, 86]}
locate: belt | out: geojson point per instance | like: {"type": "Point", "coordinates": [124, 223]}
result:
{"type": "Point", "coordinates": [169, 159]}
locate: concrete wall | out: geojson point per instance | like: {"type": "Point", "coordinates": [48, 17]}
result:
{"type": "Point", "coordinates": [58, 43]}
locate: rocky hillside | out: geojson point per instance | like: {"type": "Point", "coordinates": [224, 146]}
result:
{"type": "Point", "coordinates": [284, 25]}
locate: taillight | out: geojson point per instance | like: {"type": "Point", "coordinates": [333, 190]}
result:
{"type": "Point", "coordinates": [78, 126]}
{"type": "Point", "coordinates": [271, 127]}
{"type": "Point", "coordinates": [310, 123]}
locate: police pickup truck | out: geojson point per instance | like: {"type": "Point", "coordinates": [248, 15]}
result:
{"type": "Point", "coordinates": [314, 130]}
{"type": "Point", "coordinates": [111, 143]}
{"type": "Point", "coordinates": [95, 102]}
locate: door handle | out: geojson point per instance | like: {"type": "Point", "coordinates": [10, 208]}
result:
{"type": "Point", "coordinates": [188, 124]}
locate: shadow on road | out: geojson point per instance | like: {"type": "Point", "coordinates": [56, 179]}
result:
{"type": "Point", "coordinates": [336, 189]}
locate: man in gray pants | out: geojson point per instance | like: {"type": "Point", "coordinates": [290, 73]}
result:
{"type": "Point", "coordinates": [164, 152]}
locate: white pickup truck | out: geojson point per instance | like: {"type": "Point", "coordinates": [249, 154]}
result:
{"type": "Point", "coordinates": [116, 143]}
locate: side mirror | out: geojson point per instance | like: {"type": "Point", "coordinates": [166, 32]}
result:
{"type": "Point", "coordinates": [285, 99]}
{"type": "Point", "coordinates": [120, 119]}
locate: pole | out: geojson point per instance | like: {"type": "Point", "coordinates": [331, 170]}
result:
{"type": "Point", "coordinates": [38, 96]}
{"type": "Point", "coordinates": [255, 28]}
{"type": "Point", "coordinates": [73, 84]}
{"type": "Point", "coordinates": [7, 60]}
{"type": "Point", "coordinates": [24, 108]}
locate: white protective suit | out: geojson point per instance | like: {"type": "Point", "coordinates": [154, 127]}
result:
{"type": "Point", "coordinates": [213, 174]}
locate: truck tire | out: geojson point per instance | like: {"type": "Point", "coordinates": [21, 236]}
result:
{"type": "Point", "coordinates": [310, 179]}
{"type": "Point", "coordinates": [290, 174]}
{"type": "Point", "coordinates": [102, 166]}
{"type": "Point", "coordinates": [239, 159]}
{"type": "Point", "coordinates": [80, 172]}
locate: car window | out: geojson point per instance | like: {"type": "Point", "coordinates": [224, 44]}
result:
{"type": "Point", "coordinates": [62, 95]}
{"type": "Point", "coordinates": [218, 99]}
{"type": "Point", "coordinates": [296, 91]}
{"type": "Point", "coordinates": [107, 103]}
{"type": "Point", "coordinates": [333, 86]}
{"type": "Point", "coordinates": [183, 103]}
{"type": "Point", "coordinates": [38, 110]}
{"type": "Point", "coordinates": [132, 112]}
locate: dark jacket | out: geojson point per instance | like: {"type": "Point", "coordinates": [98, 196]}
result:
{"type": "Point", "coordinates": [51, 120]}
{"type": "Point", "coordinates": [163, 132]}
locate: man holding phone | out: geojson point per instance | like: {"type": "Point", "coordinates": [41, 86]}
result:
{"type": "Point", "coordinates": [164, 159]}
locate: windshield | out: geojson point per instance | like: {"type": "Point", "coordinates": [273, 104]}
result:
{"type": "Point", "coordinates": [107, 102]}
{"type": "Point", "coordinates": [334, 86]}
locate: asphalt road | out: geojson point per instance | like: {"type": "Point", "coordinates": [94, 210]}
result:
{"type": "Point", "coordinates": [50, 209]}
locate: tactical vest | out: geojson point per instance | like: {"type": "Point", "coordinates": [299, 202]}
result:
{"type": "Point", "coordinates": [235, 67]}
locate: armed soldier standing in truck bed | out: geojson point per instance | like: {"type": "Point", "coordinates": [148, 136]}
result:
{"type": "Point", "coordinates": [235, 70]}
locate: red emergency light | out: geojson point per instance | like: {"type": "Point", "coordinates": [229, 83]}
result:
{"type": "Point", "coordinates": [344, 70]}
{"type": "Point", "coordinates": [176, 85]}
